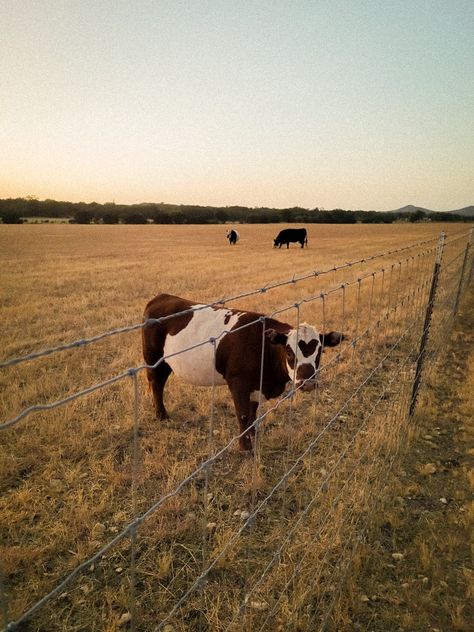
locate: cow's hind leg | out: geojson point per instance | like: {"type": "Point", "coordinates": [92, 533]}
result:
{"type": "Point", "coordinates": [157, 379]}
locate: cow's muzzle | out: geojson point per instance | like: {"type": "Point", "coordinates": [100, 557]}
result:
{"type": "Point", "coordinates": [306, 385]}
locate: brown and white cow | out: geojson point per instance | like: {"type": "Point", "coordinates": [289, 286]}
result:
{"type": "Point", "coordinates": [238, 352]}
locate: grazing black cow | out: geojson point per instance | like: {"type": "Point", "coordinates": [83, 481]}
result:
{"type": "Point", "coordinates": [233, 237]}
{"type": "Point", "coordinates": [290, 354]}
{"type": "Point", "coordinates": [291, 234]}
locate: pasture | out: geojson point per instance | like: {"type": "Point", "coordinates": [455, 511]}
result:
{"type": "Point", "coordinates": [73, 477]}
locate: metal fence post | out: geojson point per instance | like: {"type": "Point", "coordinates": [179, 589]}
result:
{"type": "Point", "coordinates": [426, 326]}
{"type": "Point", "coordinates": [464, 264]}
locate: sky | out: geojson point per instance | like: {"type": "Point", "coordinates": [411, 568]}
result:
{"type": "Point", "coordinates": [330, 104]}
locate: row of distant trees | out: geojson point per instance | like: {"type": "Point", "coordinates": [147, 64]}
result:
{"type": "Point", "coordinates": [15, 210]}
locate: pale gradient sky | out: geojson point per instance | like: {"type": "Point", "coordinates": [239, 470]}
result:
{"type": "Point", "coordinates": [352, 104]}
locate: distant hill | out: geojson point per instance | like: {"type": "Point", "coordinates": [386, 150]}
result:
{"type": "Point", "coordinates": [467, 211]}
{"type": "Point", "coordinates": [410, 209]}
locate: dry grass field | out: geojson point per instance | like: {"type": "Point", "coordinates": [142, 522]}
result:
{"type": "Point", "coordinates": [73, 477]}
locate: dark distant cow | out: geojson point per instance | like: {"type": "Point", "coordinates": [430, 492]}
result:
{"type": "Point", "coordinates": [289, 354]}
{"type": "Point", "coordinates": [233, 237]}
{"type": "Point", "coordinates": [291, 234]}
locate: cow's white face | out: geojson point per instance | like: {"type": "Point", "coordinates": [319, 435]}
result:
{"type": "Point", "coordinates": [303, 347]}
{"type": "Point", "coordinates": [303, 351]}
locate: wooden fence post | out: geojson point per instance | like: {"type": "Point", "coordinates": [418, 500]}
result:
{"type": "Point", "coordinates": [426, 326]}
{"type": "Point", "coordinates": [464, 264]}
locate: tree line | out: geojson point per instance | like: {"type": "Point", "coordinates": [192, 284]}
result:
{"type": "Point", "coordinates": [16, 210]}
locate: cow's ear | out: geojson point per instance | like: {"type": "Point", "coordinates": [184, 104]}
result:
{"type": "Point", "coordinates": [332, 339]}
{"type": "Point", "coordinates": [275, 337]}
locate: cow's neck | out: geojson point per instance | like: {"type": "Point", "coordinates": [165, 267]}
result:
{"type": "Point", "coordinates": [276, 377]}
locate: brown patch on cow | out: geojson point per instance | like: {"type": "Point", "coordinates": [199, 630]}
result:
{"type": "Point", "coordinates": [165, 305]}
{"type": "Point", "coordinates": [290, 354]}
{"type": "Point", "coordinates": [276, 337]}
{"type": "Point", "coordinates": [227, 317]}
{"type": "Point", "coordinates": [305, 372]}
{"type": "Point", "coordinates": [178, 323]}
{"type": "Point", "coordinates": [239, 355]}
{"type": "Point", "coordinates": [308, 348]}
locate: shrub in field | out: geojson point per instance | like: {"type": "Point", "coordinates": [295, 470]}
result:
{"type": "Point", "coordinates": [83, 217]}
{"type": "Point", "coordinates": [11, 217]}
{"type": "Point", "coordinates": [111, 218]}
{"type": "Point", "coordinates": [134, 218]}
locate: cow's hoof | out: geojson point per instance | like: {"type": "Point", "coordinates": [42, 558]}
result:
{"type": "Point", "coordinates": [245, 445]}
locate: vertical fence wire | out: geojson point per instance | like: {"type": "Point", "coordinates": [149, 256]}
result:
{"type": "Point", "coordinates": [357, 317]}
{"type": "Point", "coordinates": [135, 476]}
{"type": "Point", "coordinates": [208, 527]}
{"type": "Point", "coordinates": [257, 429]}
{"type": "Point", "coordinates": [371, 300]}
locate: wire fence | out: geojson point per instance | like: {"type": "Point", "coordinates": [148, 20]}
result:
{"type": "Point", "coordinates": [171, 528]}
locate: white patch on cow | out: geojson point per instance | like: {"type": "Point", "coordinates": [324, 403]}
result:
{"type": "Point", "coordinates": [197, 365]}
{"type": "Point", "coordinates": [307, 333]}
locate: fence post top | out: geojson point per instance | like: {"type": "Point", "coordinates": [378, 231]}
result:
{"type": "Point", "coordinates": [439, 249]}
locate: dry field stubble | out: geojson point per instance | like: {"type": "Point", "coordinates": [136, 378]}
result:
{"type": "Point", "coordinates": [66, 474]}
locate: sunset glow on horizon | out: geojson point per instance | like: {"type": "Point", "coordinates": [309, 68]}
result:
{"type": "Point", "coordinates": [333, 104]}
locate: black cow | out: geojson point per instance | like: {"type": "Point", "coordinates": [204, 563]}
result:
{"type": "Point", "coordinates": [233, 237]}
{"type": "Point", "coordinates": [291, 234]}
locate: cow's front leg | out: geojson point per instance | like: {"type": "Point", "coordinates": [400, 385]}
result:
{"type": "Point", "coordinates": [245, 411]}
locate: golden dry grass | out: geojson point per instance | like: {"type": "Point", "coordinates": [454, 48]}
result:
{"type": "Point", "coordinates": [67, 474]}
{"type": "Point", "coordinates": [426, 513]}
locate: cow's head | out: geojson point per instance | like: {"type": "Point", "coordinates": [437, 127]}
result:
{"type": "Point", "coordinates": [303, 347]}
